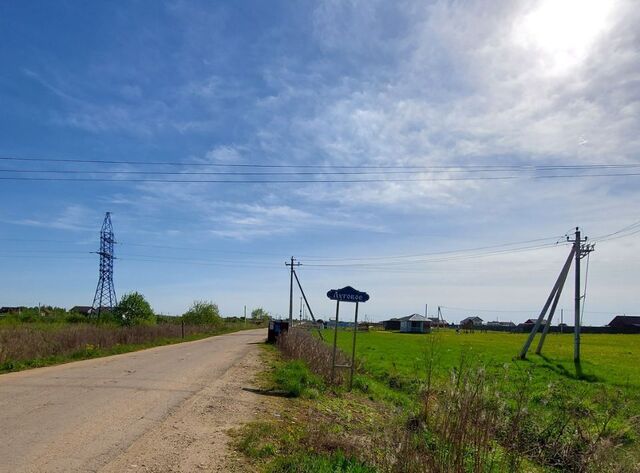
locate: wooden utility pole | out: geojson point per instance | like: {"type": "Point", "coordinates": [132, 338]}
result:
{"type": "Point", "coordinates": [292, 265]}
{"type": "Point", "coordinates": [576, 305]}
{"type": "Point", "coordinates": [581, 249]}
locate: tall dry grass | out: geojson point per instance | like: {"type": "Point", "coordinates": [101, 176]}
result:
{"type": "Point", "coordinates": [23, 343]}
{"type": "Point", "coordinates": [301, 345]}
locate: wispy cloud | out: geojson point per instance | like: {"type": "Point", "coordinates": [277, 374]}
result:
{"type": "Point", "coordinates": [74, 218]}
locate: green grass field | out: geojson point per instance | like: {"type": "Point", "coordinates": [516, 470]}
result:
{"type": "Point", "coordinates": [452, 402]}
{"type": "Point", "coordinates": [600, 395]}
{"type": "Point", "coordinates": [610, 360]}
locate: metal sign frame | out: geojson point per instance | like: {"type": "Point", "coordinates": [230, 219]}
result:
{"type": "Point", "coordinates": [346, 294]}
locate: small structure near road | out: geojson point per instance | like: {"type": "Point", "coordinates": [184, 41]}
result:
{"type": "Point", "coordinates": [276, 327]}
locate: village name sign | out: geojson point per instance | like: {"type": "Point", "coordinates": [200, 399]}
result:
{"type": "Point", "coordinates": [347, 294]}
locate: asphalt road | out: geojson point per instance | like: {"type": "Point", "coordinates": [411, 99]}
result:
{"type": "Point", "coordinates": [80, 416]}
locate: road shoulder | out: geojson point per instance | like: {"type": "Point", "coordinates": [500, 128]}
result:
{"type": "Point", "coordinates": [195, 435]}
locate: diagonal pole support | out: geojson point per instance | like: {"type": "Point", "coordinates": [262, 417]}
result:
{"type": "Point", "coordinates": [545, 330]}
{"type": "Point", "coordinates": [556, 286]}
{"type": "Point", "coordinates": [307, 303]}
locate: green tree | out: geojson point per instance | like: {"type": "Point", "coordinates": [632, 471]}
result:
{"type": "Point", "coordinates": [202, 313]}
{"type": "Point", "coordinates": [134, 309]}
{"type": "Point", "coordinates": [260, 314]}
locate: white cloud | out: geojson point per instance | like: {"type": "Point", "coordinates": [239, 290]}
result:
{"type": "Point", "coordinates": [223, 154]}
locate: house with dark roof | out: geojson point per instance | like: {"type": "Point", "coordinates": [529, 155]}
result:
{"type": "Point", "coordinates": [625, 321]}
{"type": "Point", "coordinates": [82, 309]}
{"type": "Point", "coordinates": [11, 310]}
{"type": "Point", "coordinates": [437, 322]}
{"type": "Point", "coordinates": [391, 324]}
{"type": "Point", "coordinates": [471, 322]}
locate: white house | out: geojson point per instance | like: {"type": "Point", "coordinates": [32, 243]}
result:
{"type": "Point", "coordinates": [415, 323]}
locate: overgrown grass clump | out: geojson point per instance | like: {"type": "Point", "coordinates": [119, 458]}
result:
{"type": "Point", "coordinates": [296, 380]}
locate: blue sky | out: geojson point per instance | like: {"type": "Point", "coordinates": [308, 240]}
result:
{"type": "Point", "coordinates": [527, 83]}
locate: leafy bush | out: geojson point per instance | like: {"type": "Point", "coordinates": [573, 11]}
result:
{"type": "Point", "coordinates": [260, 314]}
{"type": "Point", "coordinates": [202, 313]}
{"type": "Point", "coordinates": [133, 309]}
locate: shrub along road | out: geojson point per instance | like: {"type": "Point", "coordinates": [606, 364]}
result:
{"type": "Point", "coordinates": [150, 410]}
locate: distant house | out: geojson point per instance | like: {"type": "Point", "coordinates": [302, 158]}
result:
{"type": "Point", "coordinates": [395, 323]}
{"type": "Point", "coordinates": [533, 321]}
{"type": "Point", "coordinates": [11, 310]}
{"type": "Point", "coordinates": [82, 309]}
{"type": "Point", "coordinates": [391, 324]}
{"type": "Point", "coordinates": [497, 323]}
{"type": "Point", "coordinates": [436, 322]}
{"type": "Point", "coordinates": [415, 323]}
{"type": "Point", "coordinates": [471, 322]}
{"type": "Point", "coordinates": [528, 325]}
{"type": "Point", "coordinates": [331, 323]}
{"type": "Point", "coordinates": [625, 321]}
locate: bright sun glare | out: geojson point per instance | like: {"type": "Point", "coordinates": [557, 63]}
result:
{"type": "Point", "coordinates": [561, 32]}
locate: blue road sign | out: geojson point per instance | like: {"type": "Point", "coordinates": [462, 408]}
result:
{"type": "Point", "coordinates": [347, 294]}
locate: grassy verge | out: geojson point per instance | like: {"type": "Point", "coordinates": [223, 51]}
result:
{"type": "Point", "coordinates": [313, 427]}
{"type": "Point", "coordinates": [105, 343]}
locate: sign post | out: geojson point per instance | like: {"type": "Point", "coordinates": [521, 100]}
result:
{"type": "Point", "coordinates": [346, 294]}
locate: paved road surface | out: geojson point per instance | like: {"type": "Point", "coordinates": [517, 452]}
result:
{"type": "Point", "coordinates": [81, 416]}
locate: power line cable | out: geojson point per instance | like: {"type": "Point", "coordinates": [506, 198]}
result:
{"type": "Point", "coordinates": [416, 255]}
{"type": "Point", "coordinates": [323, 165]}
{"type": "Point", "coordinates": [315, 181]}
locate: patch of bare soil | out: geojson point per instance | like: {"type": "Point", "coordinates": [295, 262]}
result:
{"type": "Point", "coordinates": [195, 436]}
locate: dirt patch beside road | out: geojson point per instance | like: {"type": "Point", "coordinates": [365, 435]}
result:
{"type": "Point", "coordinates": [195, 436]}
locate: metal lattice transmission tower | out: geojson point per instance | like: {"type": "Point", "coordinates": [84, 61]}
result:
{"type": "Point", "coordinates": [105, 298]}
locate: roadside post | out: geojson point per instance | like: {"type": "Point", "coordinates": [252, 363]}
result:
{"type": "Point", "coordinates": [346, 294]}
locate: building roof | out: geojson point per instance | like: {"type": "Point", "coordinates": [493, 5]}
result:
{"type": "Point", "coordinates": [471, 319]}
{"type": "Point", "coordinates": [406, 317]}
{"type": "Point", "coordinates": [8, 310]}
{"type": "Point", "coordinates": [414, 318]}
{"type": "Point", "coordinates": [630, 320]}
{"type": "Point", "coordinates": [81, 308]}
